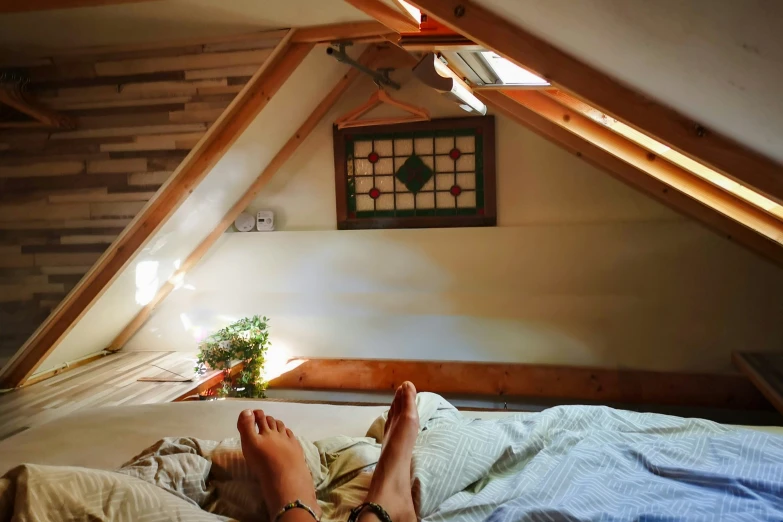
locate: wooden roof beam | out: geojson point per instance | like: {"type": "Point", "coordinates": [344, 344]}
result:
{"type": "Point", "coordinates": [224, 132]}
{"type": "Point", "coordinates": [354, 31]}
{"type": "Point", "coordinates": [367, 58]}
{"type": "Point", "coordinates": [675, 187]}
{"type": "Point", "coordinates": [689, 137]}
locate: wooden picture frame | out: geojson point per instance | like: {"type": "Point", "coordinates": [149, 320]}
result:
{"type": "Point", "coordinates": [485, 211]}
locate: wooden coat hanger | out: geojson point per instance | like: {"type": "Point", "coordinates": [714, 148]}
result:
{"type": "Point", "coordinates": [380, 97]}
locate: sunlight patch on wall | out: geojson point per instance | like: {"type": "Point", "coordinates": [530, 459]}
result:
{"type": "Point", "coordinates": [146, 281]}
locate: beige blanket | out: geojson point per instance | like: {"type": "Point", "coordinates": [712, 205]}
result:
{"type": "Point", "coordinates": [192, 479]}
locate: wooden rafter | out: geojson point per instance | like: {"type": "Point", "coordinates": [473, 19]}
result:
{"type": "Point", "coordinates": [503, 380]}
{"type": "Point", "coordinates": [248, 103]}
{"type": "Point", "coordinates": [392, 18]}
{"type": "Point", "coordinates": [664, 181]}
{"type": "Point", "coordinates": [23, 6]}
{"type": "Point", "coordinates": [669, 154]}
{"type": "Point", "coordinates": [566, 72]}
{"type": "Point", "coordinates": [369, 55]}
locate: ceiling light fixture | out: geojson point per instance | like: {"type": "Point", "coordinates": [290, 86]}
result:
{"type": "Point", "coordinates": [436, 74]}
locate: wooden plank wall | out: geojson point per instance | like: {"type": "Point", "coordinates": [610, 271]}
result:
{"type": "Point", "coordinates": [65, 195]}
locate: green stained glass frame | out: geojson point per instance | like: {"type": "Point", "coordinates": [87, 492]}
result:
{"type": "Point", "coordinates": [361, 184]}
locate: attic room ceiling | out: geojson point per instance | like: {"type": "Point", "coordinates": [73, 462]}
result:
{"type": "Point", "coordinates": [164, 20]}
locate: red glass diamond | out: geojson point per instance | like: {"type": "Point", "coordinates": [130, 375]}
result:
{"type": "Point", "coordinates": [375, 193]}
{"type": "Point", "coordinates": [373, 157]}
{"type": "Point", "coordinates": [455, 190]}
{"type": "Point", "coordinates": [455, 153]}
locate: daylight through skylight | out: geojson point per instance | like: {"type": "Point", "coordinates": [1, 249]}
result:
{"type": "Point", "coordinates": [704, 172]}
{"type": "Point", "coordinates": [510, 73]}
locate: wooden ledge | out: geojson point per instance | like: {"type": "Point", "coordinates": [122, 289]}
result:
{"type": "Point", "coordinates": [595, 385]}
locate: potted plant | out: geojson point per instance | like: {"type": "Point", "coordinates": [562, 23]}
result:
{"type": "Point", "coordinates": [247, 341]}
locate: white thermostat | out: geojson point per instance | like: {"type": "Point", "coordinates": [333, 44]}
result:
{"type": "Point", "coordinates": [245, 222]}
{"type": "Point", "coordinates": [265, 220]}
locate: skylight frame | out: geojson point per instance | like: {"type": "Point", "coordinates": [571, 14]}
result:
{"type": "Point", "coordinates": [478, 67]}
{"type": "Point", "coordinates": [698, 169]}
{"type": "Point", "coordinates": [504, 69]}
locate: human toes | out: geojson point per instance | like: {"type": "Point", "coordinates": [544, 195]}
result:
{"type": "Point", "coordinates": [262, 421]}
{"type": "Point", "coordinates": [271, 423]}
{"type": "Point", "coordinates": [246, 424]}
{"type": "Point", "coordinates": [408, 393]}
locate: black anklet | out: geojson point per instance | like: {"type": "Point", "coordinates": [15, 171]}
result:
{"type": "Point", "coordinates": [293, 505]}
{"type": "Point", "coordinates": [375, 508]}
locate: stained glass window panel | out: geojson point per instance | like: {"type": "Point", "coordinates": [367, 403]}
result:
{"type": "Point", "coordinates": [437, 173]}
{"type": "Point", "coordinates": [466, 143]}
{"type": "Point", "coordinates": [422, 145]}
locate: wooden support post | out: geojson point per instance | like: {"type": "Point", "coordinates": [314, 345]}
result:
{"type": "Point", "coordinates": [242, 111]}
{"type": "Point", "coordinates": [242, 203]}
{"type": "Point", "coordinates": [677, 188]}
{"type": "Point", "coordinates": [566, 72]}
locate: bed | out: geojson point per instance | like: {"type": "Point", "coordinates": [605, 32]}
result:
{"type": "Point", "coordinates": [107, 438]}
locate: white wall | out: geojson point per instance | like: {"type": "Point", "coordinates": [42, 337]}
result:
{"type": "Point", "coordinates": [581, 270]}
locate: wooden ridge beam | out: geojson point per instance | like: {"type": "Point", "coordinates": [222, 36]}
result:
{"type": "Point", "coordinates": [392, 18]}
{"type": "Point", "coordinates": [566, 72]}
{"type": "Point", "coordinates": [247, 198]}
{"type": "Point", "coordinates": [675, 187]}
{"type": "Point", "coordinates": [503, 380]}
{"type": "Point", "coordinates": [23, 6]}
{"type": "Point", "coordinates": [242, 111]}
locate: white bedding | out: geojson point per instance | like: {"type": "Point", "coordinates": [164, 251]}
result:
{"type": "Point", "coordinates": [574, 462]}
{"type": "Point", "coordinates": [105, 438]}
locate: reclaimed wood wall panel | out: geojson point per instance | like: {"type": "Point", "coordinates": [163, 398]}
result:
{"type": "Point", "coordinates": [66, 195]}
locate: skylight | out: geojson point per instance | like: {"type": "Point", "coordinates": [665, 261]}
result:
{"type": "Point", "coordinates": [413, 11]}
{"type": "Point", "coordinates": [510, 73]}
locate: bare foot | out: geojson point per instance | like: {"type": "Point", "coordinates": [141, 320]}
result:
{"type": "Point", "coordinates": [276, 458]}
{"type": "Point", "coordinates": [391, 482]}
